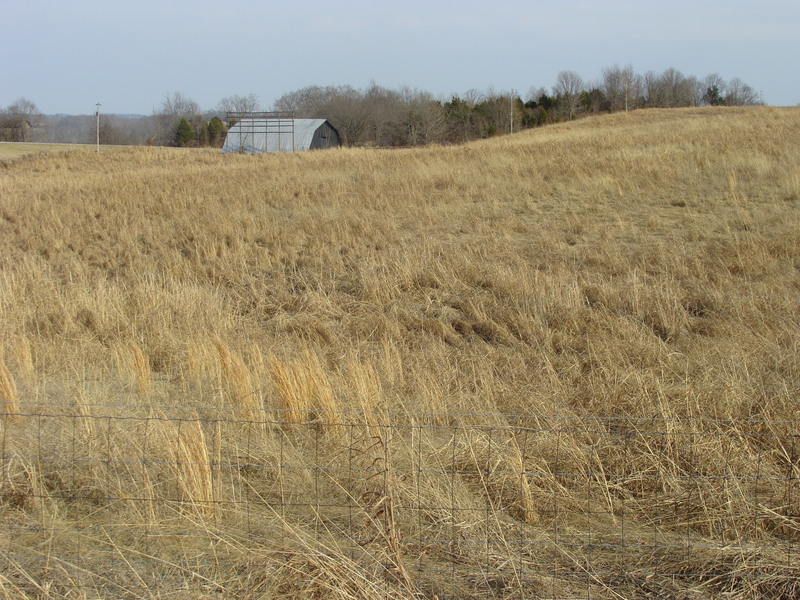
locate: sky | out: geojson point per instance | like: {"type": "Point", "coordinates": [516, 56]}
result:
{"type": "Point", "coordinates": [68, 55]}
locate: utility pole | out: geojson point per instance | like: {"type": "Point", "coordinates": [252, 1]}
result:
{"type": "Point", "coordinates": [511, 111]}
{"type": "Point", "coordinates": [97, 116]}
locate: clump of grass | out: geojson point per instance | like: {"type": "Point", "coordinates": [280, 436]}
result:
{"type": "Point", "coordinates": [304, 390]}
{"type": "Point", "coordinates": [364, 390]}
{"type": "Point", "coordinates": [293, 401]}
{"type": "Point", "coordinates": [237, 385]}
{"type": "Point", "coordinates": [185, 445]}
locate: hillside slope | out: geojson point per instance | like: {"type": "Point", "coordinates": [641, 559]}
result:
{"type": "Point", "coordinates": [637, 271]}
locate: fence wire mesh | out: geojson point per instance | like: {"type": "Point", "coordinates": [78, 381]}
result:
{"type": "Point", "coordinates": [114, 501]}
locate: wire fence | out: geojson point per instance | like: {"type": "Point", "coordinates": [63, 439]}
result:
{"type": "Point", "coordinates": [114, 501]}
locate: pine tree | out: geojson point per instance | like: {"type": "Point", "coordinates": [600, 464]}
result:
{"type": "Point", "coordinates": [713, 97]}
{"type": "Point", "coordinates": [184, 136]}
{"type": "Point", "coordinates": [203, 136]}
{"type": "Point", "coordinates": [216, 132]}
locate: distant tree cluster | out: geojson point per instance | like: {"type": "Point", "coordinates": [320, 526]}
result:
{"type": "Point", "coordinates": [377, 115]}
{"type": "Point", "coordinates": [180, 122]}
{"type": "Point", "coordinates": [18, 121]}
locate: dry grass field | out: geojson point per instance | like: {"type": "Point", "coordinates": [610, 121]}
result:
{"type": "Point", "coordinates": [176, 327]}
{"type": "Point", "coordinates": [10, 151]}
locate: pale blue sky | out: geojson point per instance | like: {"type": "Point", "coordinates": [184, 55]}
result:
{"type": "Point", "coordinates": [66, 55]}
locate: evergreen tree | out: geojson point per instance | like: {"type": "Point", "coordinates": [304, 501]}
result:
{"type": "Point", "coordinates": [216, 132]}
{"type": "Point", "coordinates": [184, 135]}
{"type": "Point", "coordinates": [713, 97]}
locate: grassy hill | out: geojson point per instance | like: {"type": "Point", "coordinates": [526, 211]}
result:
{"type": "Point", "coordinates": [213, 365]}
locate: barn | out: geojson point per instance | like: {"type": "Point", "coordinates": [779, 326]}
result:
{"type": "Point", "coordinates": [256, 133]}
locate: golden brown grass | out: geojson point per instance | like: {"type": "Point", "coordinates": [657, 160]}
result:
{"type": "Point", "coordinates": [10, 151]}
{"type": "Point", "coordinates": [544, 364]}
{"type": "Point", "coordinates": [9, 398]}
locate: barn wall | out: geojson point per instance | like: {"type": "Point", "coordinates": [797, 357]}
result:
{"type": "Point", "coordinates": [325, 137]}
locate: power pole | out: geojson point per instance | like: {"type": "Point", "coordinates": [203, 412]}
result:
{"type": "Point", "coordinates": [511, 112]}
{"type": "Point", "coordinates": [97, 116]}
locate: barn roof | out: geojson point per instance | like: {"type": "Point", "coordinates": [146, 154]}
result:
{"type": "Point", "coordinates": [251, 136]}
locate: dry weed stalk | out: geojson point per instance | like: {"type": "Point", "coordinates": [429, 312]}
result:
{"type": "Point", "coordinates": [364, 385]}
{"type": "Point", "coordinates": [516, 462]}
{"type": "Point", "coordinates": [141, 370]}
{"type": "Point", "coordinates": [24, 358]}
{"type": "Point", "coordinates": [237, 385]}
{"type": "Point", "coordinates": [87, 418]}
{"type": "Point", "coordinates": [8, 393]}
{"type": "Point", "coordinates": [326, 408]}
{"type": "Point", "coordinates": [434, 397]}
{"type": "Point", "coordinates": [293, 402]}
{"type": "Point", "coordinates": [186, 445]}
{"type": "Point", "coordinates": [194, 364]}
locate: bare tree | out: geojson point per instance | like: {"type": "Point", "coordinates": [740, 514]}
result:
{"type": "Point", "coordinates": [236, 103]}
{"type": "Point", "coordinates": [502, 111]}
{"type": "Point", "coordinates": [423, 117]}
{"type": "Point", "coordinates": [695, 90]}
{"type": "Point", "coordinates": [310, 101]}
{"type": "Point", "coordinates": [651, 89]}
{"type": "Point", "coordinates": [173, 108]}
{"type": "Point", "coordinates": [738, 93]}
{"type": "Point", "coordinates": [178, 105]}
{"type": "Point", "coordinates": [386, 112]}
{"type": "Point", "coordinates": [473, 97]}
{"type": "Point", "coordinates": [567, 89]}
{"type": "Point", "coordinates": [621, 86]}
{"type": "Point", "coordinates": [676, 89]}
{"type": "Point", "coordinates": [534, 93]}
{"type": "Point", "coordinates": [345, 107]}
{"type": "Point", "coordinates": [351, 113]}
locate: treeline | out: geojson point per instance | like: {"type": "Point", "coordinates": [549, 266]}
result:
{"type": "Point", "coordinates": [409, 117]}
{"type": "Point", "coordinates": [380, 116]}
{"type": "Point", "coordinates": [178, 122]}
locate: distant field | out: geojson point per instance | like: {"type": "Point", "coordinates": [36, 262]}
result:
{"type": "Point", "coordinates": [559, 364]}
{"type": "Point", "coordinates": [15, 150]}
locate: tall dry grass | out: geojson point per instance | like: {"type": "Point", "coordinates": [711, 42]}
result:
{"type": "Point", "coordinates": [583, 338]}
{"type": "Point", "coordinates": [8, 393]}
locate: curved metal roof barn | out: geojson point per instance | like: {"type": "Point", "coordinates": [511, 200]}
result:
{"type": "Point", "coordinates": [279, 134]}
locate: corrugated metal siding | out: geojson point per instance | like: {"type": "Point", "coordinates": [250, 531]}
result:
{"type": "Point", "coordinates": [253, 136]}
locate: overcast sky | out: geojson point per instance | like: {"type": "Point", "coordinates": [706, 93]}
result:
{"type": "Point", "coordinates": [66, 55]}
